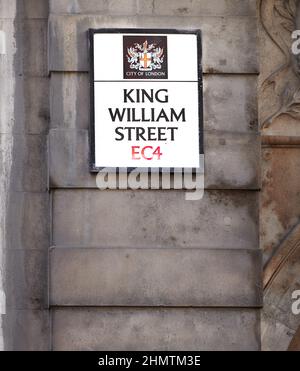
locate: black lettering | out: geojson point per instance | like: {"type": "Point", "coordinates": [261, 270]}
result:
{"type": "Point", "coordinates": [151, 134]}
{"type": "Point", "coordinates": [139, 134]}
{"type": "Point", "coordinates": [165, 98]}
{"type": "Point", "coordinates": [116, 114]}
{"type": "Point", "coordinates": [144, 119]}
{"type": "Point", "coordinates": [162, 134]}
{"type": "Point", "coordinates": [162, 115]}
{"type": "Point", "coordinates": [177, 117]}
{"type": "Point", "coordinates": [127, 95]}
{"type": "Point", "coordinates": [148, 96]}
{"type": "Point", "coordinates": [134, 119]}
{"type": "Point", "coordinates": [172, 133]}
{"type": "Point", "coordinates": [152, 114]}
{"type": "Point", "coordinates": [119, 133]}
{"type": "Point", "coordinates": [129, 131]}
{"type": "Point", "coordinates": [128, 114]}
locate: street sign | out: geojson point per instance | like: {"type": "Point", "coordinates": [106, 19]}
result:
{"type": "Point", "coordinates": [146, 99]}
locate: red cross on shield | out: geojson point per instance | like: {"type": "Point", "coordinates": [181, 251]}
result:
{"type": "Point", "coordinates": [145, 61]}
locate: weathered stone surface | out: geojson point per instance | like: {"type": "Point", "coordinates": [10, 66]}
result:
{"type": "Point", "coordinates": [29, 166]}
{"type": "Point", "coordinates": [221, 111]}
{"type": "Point", "coordinates": [294, 345]}
{"type": "Point", "coordinates": [231, 160]}
{"type": "Point", "coordinates": [196, 7]}
{"type": "Point", "coordinates": [34, 47]}
{"type": "Point", "coordinates": [154, 219]}
{"type": "Point", "coordinates": [36, 105]}
{"type": "Point", "coordinates": [276, 336]}
{"type": "Point", "coordinates": [69, 152]}
{"type": "Point", "coordinates": [235, 52]}
{"type": "Point", "coordinates": [24, 90]}
{"type": "Point", "coordinates": [117, 7]}
{"type": "Point", "coordinates": [27, 279]}
{"type": "Point", "coordinates": [24, 216]}
{"type": "Point", "coordinates": [20, 336]}
{"type": "Point", "coordinates": [25, 97]}
{"type": "Point", "coordinates": [157, 7]}
{"type": "Point", "coordinates": [7, 82]}
{"type": "Point", "coordinates": [32, 115]}
{"type": "Point", "coordinates": [155, 329]}
{"type": "Point", "coordinates": [280, 208]}
{"type": "Point", "coordinates": [279, 80]}
{"type": "Point", "coordinates": [280, 195]}
{"type": "Point", "coordinates": [35, 8]}
{"type": "Point", "coordinates": [28, 218]}
{"type": "Point", "coordinates": [155, 277]}
{"type": "Point", "coordinates": [8, 49]}
{"type": "Point", "coordinates": [7, 9]}
{"type": "Point", "coordinates": [280, 322]}
{"type": "Point", "coordinates": [26, 46]}
{"type": "Point", "coordinates": [24, 9]}
{"type": "Point", "coordinates": [70, 102]}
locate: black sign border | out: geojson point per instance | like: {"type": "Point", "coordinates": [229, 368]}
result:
{"type": "Point", "coordinates": [91, 33]}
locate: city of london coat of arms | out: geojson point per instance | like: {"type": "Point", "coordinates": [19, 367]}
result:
{"type": "Point", "coordinates": [145, 57]}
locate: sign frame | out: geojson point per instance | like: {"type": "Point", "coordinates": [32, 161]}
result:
{"type": "Point", "coordinates": [91, 32]}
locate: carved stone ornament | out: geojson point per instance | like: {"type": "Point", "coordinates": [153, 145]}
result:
{"type": "Point", "coordinates": [281, 88]}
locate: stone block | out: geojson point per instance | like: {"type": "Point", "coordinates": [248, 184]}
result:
{"type": "Point", "coordinates": [155, 7]}
{"type": "Point", "coordinates": [28, 115]}
{"type": "Point", "coordinates": [29, 169]}
{"type": "Point", "coordinates": [28, 221]}
{"type": "Point", "coordinates": [69, 152]}
{"type": "Point", "coordinates": [26, 330]}
{"type": "Point", "coordinates": [36, 105]}
{"type": "Point", "coordinates": [197, 8]}
{"type": "Point", "coordinates": [70, 100]}
{"type": "Point", "coordinates": [8, 9]}
{"type": "Point", "coordinates": [116, 7]}
{"type": "Point", "coordinates": [33, 9]}
{"type": "Point", "coordinates": [177, 329]}
{"type": "Point", "coordinates": [26, 283]}
{"type": "Point", "coordinates": [32, 46]}
{"type": "Point", "coordinates": [26, 49]}
{"type": "Point", "coordinates": [155, 277]}
{"type": "Point", "coordinates": [155, 219]}
{"type": "Point", "coordinates": [230, 103]}
{"type": "Point", "coordinates": [232, 161]}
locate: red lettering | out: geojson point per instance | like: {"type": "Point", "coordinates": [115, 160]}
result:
{"type": "Point", "coordinates": [148, 153]}
{"type": "Point", "coordinates": [135, 153]}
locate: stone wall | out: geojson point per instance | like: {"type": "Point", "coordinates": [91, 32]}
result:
{"type": "Point", "coordinates": [129, 270]}
{"type": "Point", "coordinates": [24, 102]}
{"type": "Point", "coordinates": [148, 270]}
